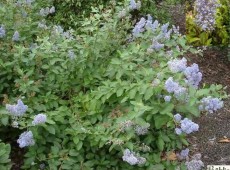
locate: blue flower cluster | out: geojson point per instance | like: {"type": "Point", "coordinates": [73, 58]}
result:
{"type": "Point", "coordinates": [210, 104]}
{"type": "Point", "coordinates": [156, 45]}
{"type": "Point", "coordinates": [206, 11]}
{"type": "Point", "coordinates": [139, 27]}
{"type": "Point", "coordinates": [134, 5]}
{"type": "Point", "coordinates": [186, 125]}
{"type": "Point", "coordinates": [184, 153]}
{"type": "Point", "coordinates": [39, 119]}
{"type": "Point", "coordinates": [26, 139]}
{"type": "Point", "coordinates": [174, 87]}
{"type": "Point", "coordinates": [2, 32]}
{"type": "Point", "coordinates": [46, 11]}
{"type": "Point", "coordinates": [195, 163]}
{"type": "Point", "coordinates": [132, 158]}
{"type": "Point", "coordinates": [17, 110]}
{"type": "Point", "coordinates": [193, 75]}
{"type": "Point", "coordinates": [177, 65]}
{"type": "Point", "coordinates": [150, 24]}
{"type": "Point", "coordinates": [177, 117]}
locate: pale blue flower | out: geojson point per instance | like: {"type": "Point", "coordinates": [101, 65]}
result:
{"type": "Point", "coordinates": [205, 14]}
{"type": "Point", "coordinates": [193, 75]}
{"type": "Point", "coordinates": [178, 131]}
{"type": "Point", "coordinates": [164, 28]}
{"type": "Point", "coordinates": [131, 158]}
{"type": "Point", "coordinates": [139, 27]}
{"type": "Point", "coordinates": [26, 139]}
{"type": "Point", "coordinates": [177, 65]}
{"type": "Point", "coordinates": [134, 5]}
{"type": "Point", "coordinates": [17, 110]}
{"type": "Point", "coordinates": [157, 46]}
{"type": "Point", "coordinates": [167, 98]}
{"type": "Point", "coordinates": [210, 104]}
{"type": "Point", "coordinates": [177, 117]}
{"type": "Point", "coordinates": [39, 119]}
{"type": "Point", "coordinates": [184, 153]}
{"type": "Point", "coordinates": [188, 126]}
{"type": "Point", "coordinates": [52, 10]}
{"type": "Point", "coordinates": [170, 85]}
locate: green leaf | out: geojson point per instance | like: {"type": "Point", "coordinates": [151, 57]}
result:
{"type": "Point", "coordinates": [119, 92]}
{"type": "Point", "coordinates": [116, 61]}
{"type": "Point", "coordinates": [5, 120]}
{"type": "Point", "coordinates": [157, 167]}
{"type": "Point", "coordinates": [79, 145]}
{"type": "Point", "coordinates": [143, 88]}
{"type": "Point", "coordinates": [54, 60]}
{"type": "Point", "coordinates": [203, 92]}
{"type": "Point", "coordinates": [161, 120]}
{"type": "Point", "coordinates": [129, 145]}
{"type": "Point", "coordinates": [132, 93]}
{"type": "Point", "coordinates": [184, 141]}
{"type": "Point", "coordinates": [157, 157]}
{"type": "Point", "coordinates": [188, 109]}
{"type": "Point", "coordinates": [148, 93]}
{"type": "Point", "coordinates": [76, 140]}
{"type": "Point", "coordinates": [191, 40]}
{"type": "Point", "coordinates": [51, 129]}
{"type": "Point", "coordinates": [165, 138]}
{"type": "Point", "coordinates": [55, 150]}
{"type": "Point", "coordinates": [160, 144]}
{"type": "Point", "coordinates": [168, 108]}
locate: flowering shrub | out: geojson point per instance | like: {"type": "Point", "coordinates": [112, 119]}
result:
{"type": "Point", "coordinates": [207, 24]}
{"type": "Point", "coordinates": [103, 97]}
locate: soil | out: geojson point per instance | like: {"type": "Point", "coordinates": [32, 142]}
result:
{"type": "Point", "coordinates": [215, 68]}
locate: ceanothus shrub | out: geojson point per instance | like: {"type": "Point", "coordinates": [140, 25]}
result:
{"type": "Point", "coordinates": [110, 91]}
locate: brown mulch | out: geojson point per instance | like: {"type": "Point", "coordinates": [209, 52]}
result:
{"type": "Point", "coordinates": [215, 68]}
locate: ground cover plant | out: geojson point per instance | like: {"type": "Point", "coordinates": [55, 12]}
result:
{"type": "Point", "coordinates": [116, 93]}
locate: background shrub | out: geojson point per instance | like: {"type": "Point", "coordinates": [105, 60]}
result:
{"type": "Point", "coordinates": [218, 36]}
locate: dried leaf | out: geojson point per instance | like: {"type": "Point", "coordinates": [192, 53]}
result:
{"type": "Point", "coordinates": [224, 140]}
{"type": "Point", "coordinates": [171, 156]}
